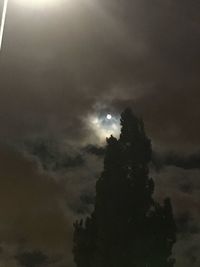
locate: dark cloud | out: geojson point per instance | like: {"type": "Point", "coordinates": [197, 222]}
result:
{"type": "Point", "coordinates": [186, 162]}
{"type": "Point", "coordinates": [52, 157]}
{"type": "Point", "coordinates": [186, 224]}
{"type": "Point", "coordinates": [95, 150]}
{"type": "Point", "coordinates": [170, 181]}
{"type": "Point", "coordinates": [34, 258]}
{"type": "Point", "coordinates": [33, 207]}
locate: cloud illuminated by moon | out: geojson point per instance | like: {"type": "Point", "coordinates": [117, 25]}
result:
{"type": "Point", "coordinates": [104, 125]}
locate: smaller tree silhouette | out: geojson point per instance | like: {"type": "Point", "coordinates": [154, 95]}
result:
{"type": "Point", "coordinates": [31, 259]}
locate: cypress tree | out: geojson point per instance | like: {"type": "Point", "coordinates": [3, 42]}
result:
{"type": "Point", "coordinates": [127, 228]}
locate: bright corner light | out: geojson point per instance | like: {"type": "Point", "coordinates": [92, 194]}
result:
{"type": "Point", "coordinates": [38, 3]}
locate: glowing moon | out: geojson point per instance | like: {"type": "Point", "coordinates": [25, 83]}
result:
{"type": "Point", "coordinates": [109, 116]}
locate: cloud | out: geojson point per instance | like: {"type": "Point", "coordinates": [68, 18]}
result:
{"type": "Point", "coordinates": [170, 181]}
{"type": "Point", "coordinates": [136, 50]}
{"type": "Point", "coordinates": [186, 162]}
{"type": "Point", "coordinates": [51, 156]}
{"type": "Point", "coordinates": [33, 209]}
{"type": "Point", "coordinates": [95, 150]}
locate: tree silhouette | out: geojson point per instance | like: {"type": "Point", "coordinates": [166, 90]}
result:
{"type": "Point", "coordinates": [127, 228]}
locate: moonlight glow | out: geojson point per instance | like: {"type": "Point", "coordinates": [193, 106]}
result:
{"type": "Point", "coordinates": [26, 3]}
{"type": "Point", "coordinates": [38, 3]}
{"type": "Point", "coordinates": [104, 126]}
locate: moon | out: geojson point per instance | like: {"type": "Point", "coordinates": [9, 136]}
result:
{"type": "Point", "coordinates": [109, 116]}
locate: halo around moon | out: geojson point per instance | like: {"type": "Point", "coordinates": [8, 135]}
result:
{"type": "Point", "coordinates": [104, 126]}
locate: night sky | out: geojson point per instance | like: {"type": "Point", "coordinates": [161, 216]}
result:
{"type": "Point", "coordinates": [63, 67]}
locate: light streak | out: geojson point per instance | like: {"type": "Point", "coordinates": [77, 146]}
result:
{"type": "Point", "coordinates": [3, 19]}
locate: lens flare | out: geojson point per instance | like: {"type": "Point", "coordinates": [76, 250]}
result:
{"type": "Point", "coordinates": [3, 20]}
